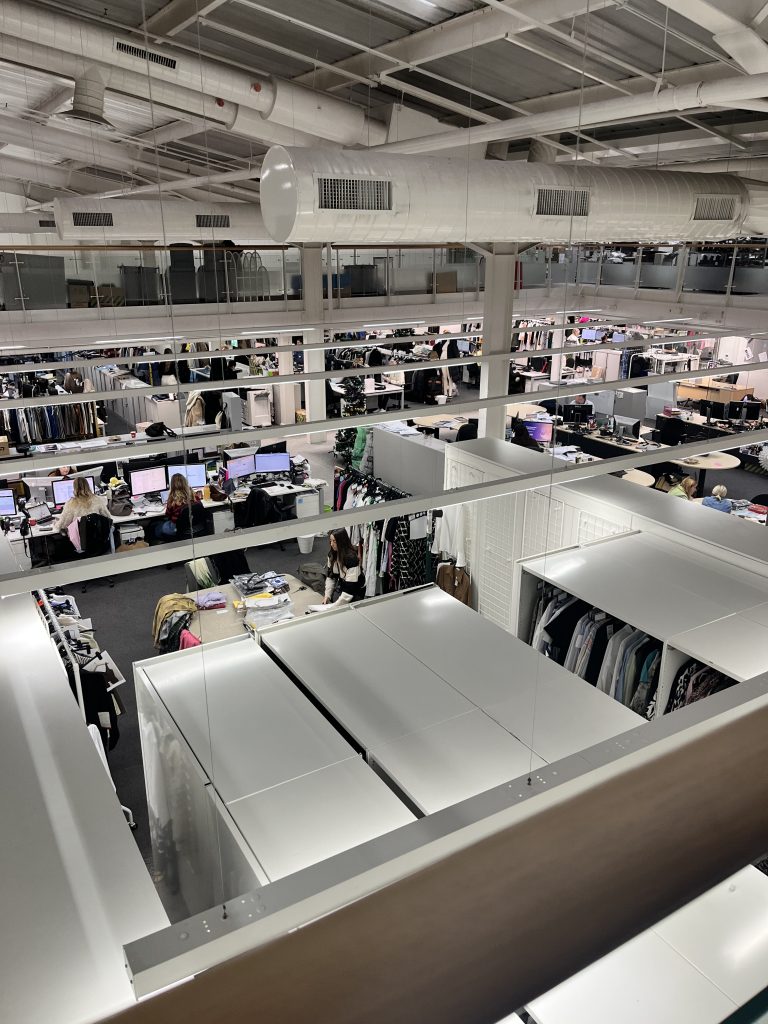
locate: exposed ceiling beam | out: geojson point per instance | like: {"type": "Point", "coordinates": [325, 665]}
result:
{"type": "Point", "coordinates": [169, 133]}
{"type": "Point", "coordinates": [736, 38]}
{"type": "Point", "coordinates": [204, 180]}
{"type": "Point", "coordinates": [178, 15]}
{"type": "Point", "coordinates": [461, 33]}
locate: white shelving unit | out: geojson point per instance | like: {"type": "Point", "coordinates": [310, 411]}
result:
{"type": "Point", "coordinates": [695, 605]}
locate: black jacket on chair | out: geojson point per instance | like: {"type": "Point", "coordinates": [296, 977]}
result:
{"type": "Point", "coordinates": [260, 509]}
{"type": "Point", "coordinates": [95, 534]}
{"type": "Point", "coordinates": [194, 521]}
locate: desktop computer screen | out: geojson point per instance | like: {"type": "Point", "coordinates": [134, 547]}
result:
{"type": "Point", "coordinates": [273, 462]}
{"type": "Point", "coordinates": [7, 503]}
{"type": "Point", "coordinates": [194, 473]}
{"type": "Point", "coordinates": [576, 413]}
{"type": "Point", "coordinates": [618, 336]}
{"type": "Point", "coordinates": [148, 481]}
{"type": "Point", "coordinates": [539, 430]}
{"type": "Point", "coordinates": [715, 410]}
{"type": "Point", "coordinates": [589, 334]}
{"type": "Point", "coordinates": [63, 490]}
{"type": "Point", "coordinates": [745, 410]}
{"type": "Point", "coordinates": [239, 467]}
{"type": "Point", "coordinates": [627, 426]}
{"type": "Point", "coordinates": [278, 446]}
{"type": "Point", "coordinates": [465, 346]}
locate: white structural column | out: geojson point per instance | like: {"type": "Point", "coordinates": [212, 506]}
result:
{"type": "Point", "coordinates": [497, 332]}
{"type": "Point", "coordinates": [314, 311]}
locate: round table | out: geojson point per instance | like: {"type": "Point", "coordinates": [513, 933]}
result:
{"type": "Point", "coordinates": [637, 476]}
{"type": "Point", "coordinates": [709, 460]}
{"type": "Point", "coordinates": [524, 410]}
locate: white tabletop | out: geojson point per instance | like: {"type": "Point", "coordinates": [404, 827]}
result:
{"type": "Point", "coordinates": [246, 722]}
{"type": "Point", "coordinates": [531, 696]}
{"type": "Point", "coordinates": [306, 820]}
{"type": "Point", "coordinates": [371, 388]}
{"type": "Point", "coordinates": [697, 590]}
{"type": "Point", "coordinates": [377, 690]}
{"type": "Point", "coordinates": [525, 409]}
{"type": "Point", "coordinates": [637, 476]}
{"type": "Point", "coordinates": [454, 760]}
{"type": "Point", "coordinates": [709, 460]}
{"type": "Point", "coordinates": [736, 644]}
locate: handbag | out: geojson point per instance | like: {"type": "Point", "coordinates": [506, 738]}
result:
{"type": "Point", "coordinates": [216, 493]}
{"type": "Point", "coordinates": [159, 430]}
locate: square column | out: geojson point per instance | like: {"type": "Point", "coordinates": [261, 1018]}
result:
{"type": "Point", "coordinates": [497, 334]}
{"type": "Point", "coordinates": [314, 308]}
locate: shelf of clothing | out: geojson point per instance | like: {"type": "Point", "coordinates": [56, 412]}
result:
{"type": "Point", "coordinates": [695, 605]}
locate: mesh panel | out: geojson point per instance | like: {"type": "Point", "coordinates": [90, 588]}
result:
{"type": "Point", "coordinates": [715, 208]}
{"type": "Point", "coordinates": [142, 54]}
{"type": "Point", "coordinates": [594, 528]}
{"type": "Point", "coordinates": [91, 219]}
{"type": "Point", "coordinates": [494, 562]}
{"type": "Point", "coordinates": [212, 220]}
{"type": "Point", "coordinates": [543, 528]}
{"type": "Point", "coordinates": [562, 202]}
{"type": "Point", "coordinates": [354, 194]}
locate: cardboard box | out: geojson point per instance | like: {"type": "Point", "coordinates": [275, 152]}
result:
{"type": "Point", "coordinates": [5, 448]}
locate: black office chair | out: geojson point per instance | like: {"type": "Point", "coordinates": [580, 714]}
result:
{"type": "Point", "coordinates": [467, 431]}
{"type": "Point", "coordinates": [95, 540]}
{"type": "Point", "coordinates": [760, 499]}
{"type": "Point", "coordinates": [194, 521]}
{"type": "Point", "coordinates": [260, 510]}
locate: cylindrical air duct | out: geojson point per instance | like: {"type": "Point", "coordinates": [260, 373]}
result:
{"type": "Point", "coordinates": [313, 195]}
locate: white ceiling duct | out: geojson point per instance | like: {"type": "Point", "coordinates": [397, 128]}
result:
{"type": "Point", "coordinates": [88, 102]}
{"type": "Point", "coordinates": [284, 103]}
{"type": "Point", "coordinates": [169, 220]}
{"type": "Point", "coordinates": [316, 195]}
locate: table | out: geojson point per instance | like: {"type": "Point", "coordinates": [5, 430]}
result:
{"type": "Point", "coordinates": [637, 476]}
{"type": "Point", "coordinates": [221, 623]}
{"type": "Point", "coordinates": [711, 390]}
{"type": "Point", "coordinates": [372, 392]}
{"type": "Point", "coordinates": [709, 460]}
{"type": "Point", "coordinates": [593, 443]}
{"type": "Point", "coordinates": [524, 410]}
{"type": "Point", "coordinates": [447, 424]}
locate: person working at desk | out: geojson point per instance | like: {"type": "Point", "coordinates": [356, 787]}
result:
{"type": "Point", "coordinates": [343, 570]}
{"type": "Point", "coordinates": [718, 500]}
{"type": "Point", "coordinates": [63, 471]}
{"type": "Point", "coordinates": [82, 503]}
{"type": "Point", "coordinates": [685, 489]}
{"type": "Point", "coordinates": [180, 496]}
{"type": "Point", "coordinates": [521, 436]}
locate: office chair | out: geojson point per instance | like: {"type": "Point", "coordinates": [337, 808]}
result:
{"type": "Point", "coordinates": [467, 431]}
{"type": "Point", "coordinates": [760, 499]}
{"type": "Point", "coordinates": [96, 539]}
{"type": "Point", "coordinates": [260, 510]}
{"type": "Point", "coordinates": [194, 521]}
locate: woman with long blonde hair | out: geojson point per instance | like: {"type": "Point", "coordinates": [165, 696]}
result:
{"type": "Point", "coordinates": [180, 496]}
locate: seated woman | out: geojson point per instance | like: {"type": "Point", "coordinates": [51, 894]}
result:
{"type": "Point", "coordinates": [685, 489]}
{"type": "Point", "coordinates": [82, 503]}
{"type": "Point", "coordinates": [180, 496]}
{"type": "Point", "coordinates": [343, 570]}
{"type": "Point", "coordinates": [718, 500]}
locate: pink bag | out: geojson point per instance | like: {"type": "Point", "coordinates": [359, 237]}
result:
{"type": "Point", "coordinates": [187, 639]}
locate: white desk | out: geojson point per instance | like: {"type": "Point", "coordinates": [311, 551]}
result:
{"type": "Point", "coordinates": [535, 699]}
{"type": "Point", "coordinates": [697, 966]}
{"type": "Point", "coordinates": [371, 391]}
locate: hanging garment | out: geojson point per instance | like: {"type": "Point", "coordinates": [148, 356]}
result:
{"type": "Point", "coordinates": [450, 534]}
{"type": "Point", "coordinates": [455, 581]}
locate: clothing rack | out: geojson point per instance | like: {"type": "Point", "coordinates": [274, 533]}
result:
{"type": "Point", "coordinates": [61, 642]}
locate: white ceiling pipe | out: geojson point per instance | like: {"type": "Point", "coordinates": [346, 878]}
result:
{"type": "Point", "coordinates": [240, 174]}
{"type": "Point", "coordinates": [164, 221]}
{"type": "Point", "coordinates": [285, 103]}
{"type": "Point", "coordinates": [726, 92]}
{"type": "Point", "coordinates": [27, 224]}
{"type": "Point", "coordinates": [49, 175]}
{"type": "Point", "coordinates": [165, 97]}
{"type": "Point", "coordinates": [434, 200]}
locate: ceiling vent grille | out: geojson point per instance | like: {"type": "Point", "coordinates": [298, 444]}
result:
{"type": "Point", "coordinates": [715, 208]}
{"type": "Point", "coordinates": [212, 220]}
{"type": "Point", "coordinates": [562, 202]}
{"type": "Point", "coordinates": [46, 223]}
{"type": "Point", "coordinates": [91, 219]}
{"type": "Point", "coordinates": [147, 55]}
{"type": "Point", "coordinates": [354, 194]}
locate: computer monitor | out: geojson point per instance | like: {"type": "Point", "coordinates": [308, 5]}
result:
{"type": "Point", "coordinates": [278, 446]}
{"type": "Point", "coordinates": [7, 503]}
{"type": "Point", "coordinates": [588, 334]}
{"type": "Point", "coordinates": [193, 472]}
{"type": "Point", "coordinates": [148, 481]}
{"type": "Point", "coordinates": [240, 467]}
{"type": "Point", "coordinates": [465, 346]}
{"type": "Point", "coordinates": [714, 410]}
{"type": "Point", "coordinates": [745, 410]}
{"type": "Point", "coordinates": [64, 489]}
{"type": "Point", "coordinates": [273, 462]}
{"type": "Point", "coordinates": [627, 426]}
{"type": "Point", "coordinates": [618, 336]}
{"type": "Point", "coordinates": [577, 413]}
{"type": "Point", "coordinates": [539, 430]}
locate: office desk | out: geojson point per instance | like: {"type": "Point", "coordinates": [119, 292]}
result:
{"type": "Point", "coordinates": [603, 447]}
{"type": "Point", "coordinates": [373, 393]}
{"type": "Point", "coordinates": [712, 391]}
{"type": "Point", "coordinates": [221, 623]}
{"type": "Point", "coordinates": [524, 410]}
{"type": "Point", "coordinates": [709, 460]}
{"type": "Point", "coordinates": [637, 476]}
